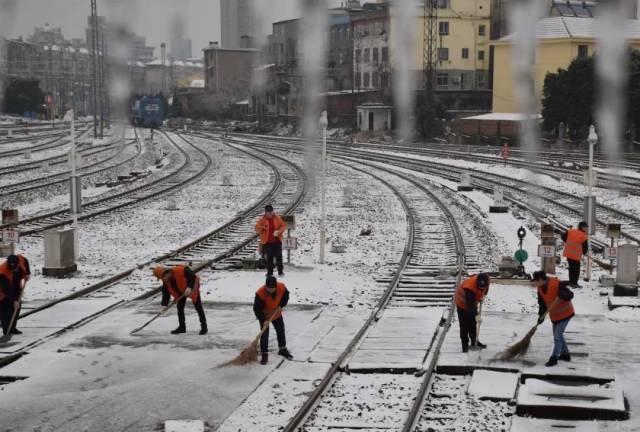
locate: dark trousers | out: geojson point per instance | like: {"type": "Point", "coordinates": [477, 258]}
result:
{"type": "Point", "coordinates": [468, 327]}
{"type": "Point", "coordinates": [278, 324]}
{"type": "Point", "coordinates": [6, 312]}
{"type": "Point", "coordinates": [574, 271]}
{"type": "Point", "coordinates": [199, 309]}
{"type": "Point", "coordinates": [274, 250]}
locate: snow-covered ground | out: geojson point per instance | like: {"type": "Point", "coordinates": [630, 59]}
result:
{"type": "Point", "coordinates": [99, 377]}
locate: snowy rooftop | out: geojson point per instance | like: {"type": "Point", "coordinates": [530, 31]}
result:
{"type": "Point", "coordinates": [574, 27]}
{"type": "Point", "coordinates": [500, 116]}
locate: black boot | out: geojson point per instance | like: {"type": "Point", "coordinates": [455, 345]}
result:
{"type": "Point", "coordinates": [15, 331]}
{"type": "Point", "coordinates": [264, 359]}
{"type": "Point", "coordinates": [203, 330]}
{"type": "Point", "coordinates": [565, 357]}
{"type": "Point", "coordinates": [284, 352]}
{"type": "Point", "coordinates": [553, 360]}
{"type": "Point", "coordinates": [180, 329]}
{"type": "Point", "coordinates": [480, 345]}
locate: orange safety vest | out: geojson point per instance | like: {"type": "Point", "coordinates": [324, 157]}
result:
{"type": "Point", "coordinates": [271, 303]}
{"type": "Point", "coordinates": [262, 227]}
{"type": "Point", "coordinates": [563, 309]}
{"type": "Point", "coordinates": [472, 285]}
{"type": "Point", "coordinates": [573, 246]}
{"type": "Point", "coordinates": [6, 272]}
{"type": "Point", "coordinates": [178, 273]}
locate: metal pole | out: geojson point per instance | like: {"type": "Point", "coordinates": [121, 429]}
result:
{"type": "Point", "coordinates": [323, 210]}
{"type": "Point", "coordinates": [592, 142]}
{"type": "Point", "coordinates": [74, 185]}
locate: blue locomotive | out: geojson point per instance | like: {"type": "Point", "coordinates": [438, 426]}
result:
{"type": "Point", "coordinates": [148, 111]}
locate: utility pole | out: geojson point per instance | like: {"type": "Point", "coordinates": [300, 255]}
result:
{"type": "Point", "coordinates": [103, 99]}
{"type": "Point", "coordinates": [94, 64]}
{"type": "Point", "coordinates": [430, 54]}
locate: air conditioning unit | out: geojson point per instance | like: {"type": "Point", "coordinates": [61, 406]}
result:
{"type": "Point", "coordinates": [455, 79]}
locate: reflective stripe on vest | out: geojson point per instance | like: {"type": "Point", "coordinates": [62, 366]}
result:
{"type": "Point", "coordinates": [563, 309]}
{"type": "Point", "coordinates": [271, 303]}
{"type": "Point", "coordinates": [573, 245]}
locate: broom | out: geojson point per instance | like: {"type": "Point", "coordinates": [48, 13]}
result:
{"type": "Point", "coordinates": [158, 315]}
{"type": "Point", "coordinates": [250, 353]}
{"type": "Point", "coordinates": [6, 338]}
{"type": "Point", "coordinates": [521, 347]}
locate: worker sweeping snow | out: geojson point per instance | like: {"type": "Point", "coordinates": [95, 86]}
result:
{"type": "Point", "coordinates": [268, 303]}
{"type": "Point", "coordinates": [469, 295]}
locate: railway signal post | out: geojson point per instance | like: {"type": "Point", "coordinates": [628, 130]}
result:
{"type": "Point", "coordinates": [590, 199]}
{"type": "Point", "coordinates": [323, 212]}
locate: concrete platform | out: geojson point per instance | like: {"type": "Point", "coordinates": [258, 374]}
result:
{"type": "Point", "coordinates": [616, 302]}
{"type": "Point", "coordinates": [501, 329]}
{"type": "Point", "coordinates": [527, 424]}
{"type": "Point", "coordinates": [400, 339]}
{"type": "Point", "coordinates": [589, 402]}
{"type": "Point", "coordinates": [493, 385]}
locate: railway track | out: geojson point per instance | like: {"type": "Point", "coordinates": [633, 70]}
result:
{"type": "Point", "coordinates": [62, 177]}
{"type": "Point", "coordinates": [543, 163]}
{"type": "Point", "coordinates": [195, 164]}
{"type": "Point", "coordinates": [288, 191]}
{"type": "Point", "coordinates": [560, 208]}
{"type": "Point", "coordinates": [55, 160]}
{"type": "Point", "coordinates": [404, 333]}
{"type": "Point", "coordinates": [59, 141]}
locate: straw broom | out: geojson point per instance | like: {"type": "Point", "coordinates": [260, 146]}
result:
{"type": "Point", "coordinates": [521, 347]}
{"type": "Point", "coordinates": [250, 353]}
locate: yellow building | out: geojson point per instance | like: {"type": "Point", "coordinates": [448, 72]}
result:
{"type": "Point", "coordinates": [560, 41]}
{"type": "Point", "coordinates": [462, 70]}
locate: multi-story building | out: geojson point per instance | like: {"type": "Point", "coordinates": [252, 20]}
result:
{"type": "Point", "coordinates": [462, 82]}
{"type": "Point", "coordinates": [371, 34]}
{"type": "Point", "coordinates": [180, 48]}
{"type": "Point", "coordinates": [500, 10]}
{"type": "Point", "coordinates": [174, 73]}
{"type": "Point", "coordinates": [560, 41]}
{"type": "Point", "coordinates": [136, 45]}
{"type": "Point", "coordinates": [238, 25]}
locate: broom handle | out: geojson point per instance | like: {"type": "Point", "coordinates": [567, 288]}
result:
{"type": "Point", "coordinates": [265, 326]}
{"type": "Point", "coordinates": [479, 321]}
{"type": "Point", "coordinates": [164, 309]}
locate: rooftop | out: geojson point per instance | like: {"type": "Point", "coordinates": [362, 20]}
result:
{"type": "Point", "coordinates": [564, 27]}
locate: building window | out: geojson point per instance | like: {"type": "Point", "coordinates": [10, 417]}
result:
{"type": "Point", "coordinates": [443, 4]}
{"type": "Point", "coordinates": [374, 80]}
{"type": "Point", "coordinates": [358, 80]}
{"type": "Point", "coordinates": [384, 77]}
{"type": "Point", "coordinates": [358, 55]}
{"type": "Point", "coordinates": [443, 54]}
{"type": "Point", "coordinates": [366, 55]}
{"type": "Point", "coordinates": [365, 79]}
{"type": "Point", "coordinates": [374, 53]}
{"type": "Point", "coordinates": [480, 78]}
{"type": "Point", "coordinates": [465, 53]}
{"type": "Point", "coordinates": [481, 30]}
{"type": "Point", "coordinates": [443, 28]}
{"type": "Point", "coordinates": [583, 51]}
{"type": "Point", "coordinates": [385, 54]}
{"type": "Point", "coordinates": [442, 80]}
{"type": "Point", "coordinates": [481, 55]}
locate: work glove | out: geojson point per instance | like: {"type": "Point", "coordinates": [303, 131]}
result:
{"type": "Point", "coordinates": [540, 319]}
{"type": "Point", "coordinates": [187, 292]}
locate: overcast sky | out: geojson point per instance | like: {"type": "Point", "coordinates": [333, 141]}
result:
{"type": "Point", "coordinates": [150, 18]}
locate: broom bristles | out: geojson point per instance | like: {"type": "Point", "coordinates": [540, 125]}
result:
{"type": "Point", "coordinates": [519, 348]}
{"type": "Point", "coordinates": [248, 355]}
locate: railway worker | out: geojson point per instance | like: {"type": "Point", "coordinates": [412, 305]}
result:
{"type": "Point", "coordinates": [555, 297]}
{"type": "Point", "coordinates": [181, 282]}
{"type": "Point", "coordinates": [270, 228]}
{"type": "Point", "coordinates": [269, 297]}
{"type": "Point", "coordinates": [14, 274]}
{"type": "Point", "coordinates": [467, 297]}
{"type": "Point", "coordinates": [575, 246]}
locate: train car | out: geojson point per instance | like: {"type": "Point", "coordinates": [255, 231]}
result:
{"type": "Point", "coordinates": [148, 111]}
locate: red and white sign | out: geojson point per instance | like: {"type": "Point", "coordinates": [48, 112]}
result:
{"type": "Point", "coordinates": [611, 253]}
{"type": "Point", "coordinates": [505, 151]}
{"type": "Point", "coordinates": [11, 236]}
{"type": "Point", "coordinates": [545, 251]}
{"type": "Point", "coordinates": [49, 100]}
{"type": "Point", "coordinates": [290, 243]}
